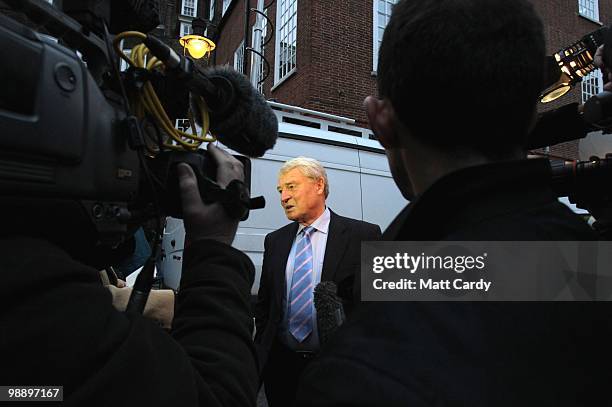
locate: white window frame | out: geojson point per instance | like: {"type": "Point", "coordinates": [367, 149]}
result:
{"type": "Point", "coordinates": [589, 9]}
{"type": "Point", "coordinates": [195, 8]}
{"type": "Point", "coordinates": [592, 84]}
{"type": "Point", "coordinates": [226, 4]}
{"type": "Point", "coordinates": [262, 65]}
{"type": "Point", "coordinates": [286, 27]}
{"type": "Point", "coordinates": [375, 24]}
{"type": "Point", "coordinates": [185, 28]}
{"type": "Point", "coordinates": [211, 11]}
{"type": "Point", "coordinates": [124, 65]}
{"type": "Point", "coordinates": [239, 58]}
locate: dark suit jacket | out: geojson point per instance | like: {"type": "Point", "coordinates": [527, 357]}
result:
{"type": "Point", "coordinates": [341, 264]}
{"type": "Point", "coordinates": [471, 353]}
{"type": "Point", "coordinates": [59, 327]}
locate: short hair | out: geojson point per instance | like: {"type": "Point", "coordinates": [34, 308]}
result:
{"type": "Point", "coordinates": [309, 167]}
{"type": "Point", "coordinates": [464, 73]}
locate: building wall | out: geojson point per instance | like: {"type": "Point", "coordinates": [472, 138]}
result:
{"type": "Point", "coordinates": [334, 55]}
{"type": "Point", "coordinates": [341, 66]}
{"type": "Point", "coordinates": [334, 50]}
{"type": "Point", "coordinates": [230, 32]}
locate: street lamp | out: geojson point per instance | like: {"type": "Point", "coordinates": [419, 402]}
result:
{"type": "Point", "coordinates": [197, 45]}
{"type": "Point", "coordinates": [572, 64]}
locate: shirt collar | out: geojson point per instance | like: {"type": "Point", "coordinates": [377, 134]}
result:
{"type": "Point", "coordinates": [321, 224]}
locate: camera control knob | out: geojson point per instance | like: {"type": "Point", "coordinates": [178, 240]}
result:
{"type": "Point", "coordinates": [65, 77]}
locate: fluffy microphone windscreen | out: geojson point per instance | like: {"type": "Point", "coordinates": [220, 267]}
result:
{"type": "Point", "coordinates": [249, 126]}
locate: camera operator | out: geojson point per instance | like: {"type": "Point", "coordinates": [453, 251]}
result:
{"type": "Point", "coordinates": [459, 81]}
{"type": "Point", "coordinates": [60, 328]}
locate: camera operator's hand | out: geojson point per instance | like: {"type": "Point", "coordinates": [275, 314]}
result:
{"type": "Point", "coordinates": [209, 221]}
{"type": "Point", "coordinates": [607, 72]}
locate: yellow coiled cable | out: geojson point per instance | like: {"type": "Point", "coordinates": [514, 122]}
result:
{"type": "Point", "coordinates": [148, 102]}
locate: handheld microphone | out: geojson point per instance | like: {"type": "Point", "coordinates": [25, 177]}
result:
{"type": "Point", "coordinates": [330, 310]}
{"type": "Point", "coordinates": [240, 116]}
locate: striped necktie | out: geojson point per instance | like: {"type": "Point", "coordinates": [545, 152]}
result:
{"type": "Point", "coordinates": [301, 293]}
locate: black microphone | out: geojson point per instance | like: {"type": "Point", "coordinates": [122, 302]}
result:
{"type": "Point", "coordinates": [243, 120]}
{"type": "Point", "coordinates": [240, 116]}
{"type": "Point", "coordinates": [330, 310]}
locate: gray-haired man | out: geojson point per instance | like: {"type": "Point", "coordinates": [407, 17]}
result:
{"type": "Point", "coordinates": [318, 245]}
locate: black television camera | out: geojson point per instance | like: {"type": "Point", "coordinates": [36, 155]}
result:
{"type": "Point", "coordinates": [585, 183]}
{"type": "Point", "coordinates": [83, 142]}
{"type": "Point", "coordinates": [88, 153]}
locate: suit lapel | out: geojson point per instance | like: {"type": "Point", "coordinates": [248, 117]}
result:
{"type": "Point", "coordinates": [284, 245]}
{"type": "Point", "coordinates": [337, 241]}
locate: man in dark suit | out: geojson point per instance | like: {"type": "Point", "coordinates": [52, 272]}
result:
{"type": "Point", "coordinates": [318, 246]}
{"type": "Point", "coordinates": [459, 81]}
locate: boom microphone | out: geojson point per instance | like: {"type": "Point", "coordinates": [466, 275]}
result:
{"type": "Point", "coordinates": [248, 124]}
{"type": "Point", "coordinates": [240, 116]}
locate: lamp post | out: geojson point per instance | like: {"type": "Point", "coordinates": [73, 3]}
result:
{"type": "Point", "coordinates": [197, 45]}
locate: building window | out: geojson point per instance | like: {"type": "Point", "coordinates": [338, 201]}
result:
{"type": "Point", "coordinates": [211, 12]}
{"type": "Point", "coordinates": [382, 14]}
{"type": "Point", "coordinates": [589, 9]}
{"type": "Point", "coordinates": [592, 84]}
{"type": "Point", "coordinates": [226, 4]}
{"type": "Point", "coordinates": [124, 65]}
{"type": "Point", "coordinates": [239, 58]}
{"type": "Point", "coordinates": [286, 39]}
{"type": "Point", "coordinates": [190, 8]}
{"type": "Point", "coordinates": [262, 65]}
{"type": "Point", "coordinates": [186, 29]}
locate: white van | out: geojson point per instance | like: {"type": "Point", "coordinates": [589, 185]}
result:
{"type": "Point", "coordinates": [360, 183]}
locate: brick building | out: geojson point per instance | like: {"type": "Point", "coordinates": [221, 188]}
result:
{"type": "Point", "coordinates": [322, 53]}
{"type": "Point", "coordinates": [336, 43]}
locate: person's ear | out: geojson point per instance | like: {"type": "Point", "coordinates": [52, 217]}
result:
{"type": "Point", "coordinates": [381, 116]}
{"type": "Point", "coordinates": [321, 186]}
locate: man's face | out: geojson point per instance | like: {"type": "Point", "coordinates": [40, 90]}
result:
{"type": "Point", "coordinates": [302, 198]}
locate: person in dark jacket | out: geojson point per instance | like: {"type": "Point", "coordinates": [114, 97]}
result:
{"type": "Point", "coordinates": [459, 81]}
{"type": "Point", "coordinates": [59, 327]}
{"type": "Point", "coordinates": [291, 270]}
